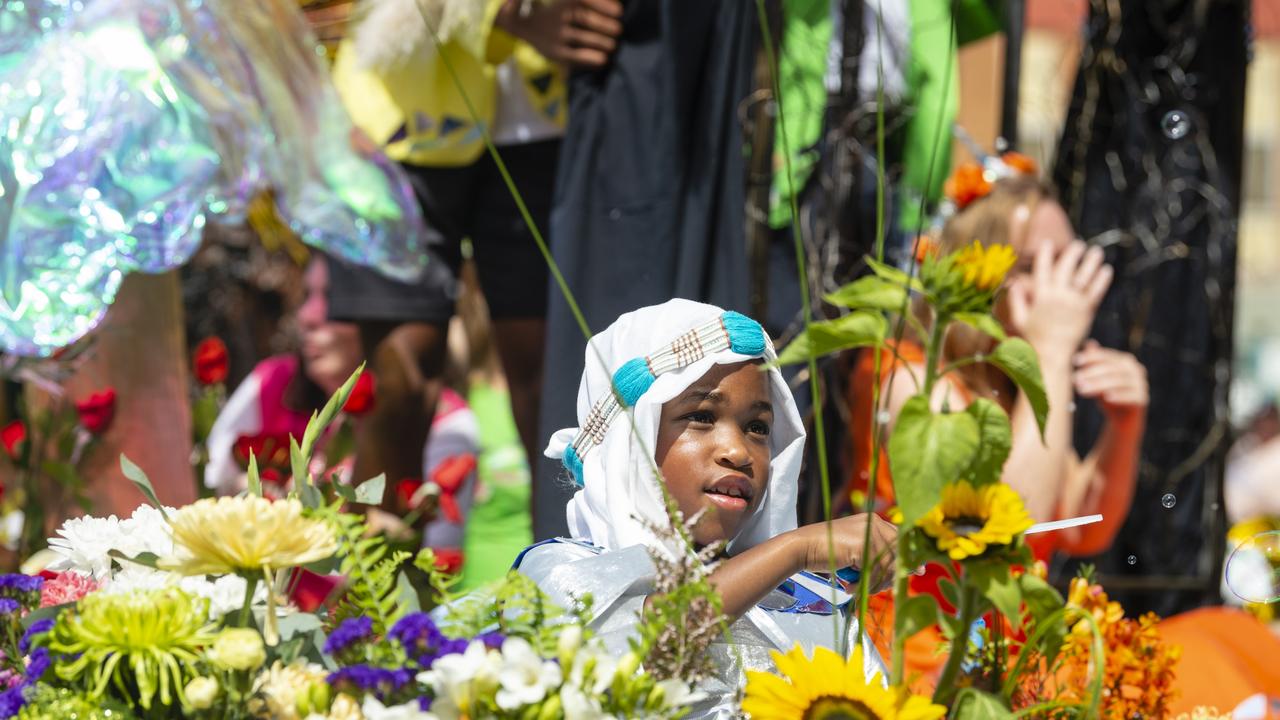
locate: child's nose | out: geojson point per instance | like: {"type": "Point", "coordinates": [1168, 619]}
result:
{"type": "Point", "coordinates": [732, 449]}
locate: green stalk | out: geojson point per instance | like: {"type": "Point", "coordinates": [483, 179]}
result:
{"type": "Point", "coordinates": [814, 394]}
{"type": "Point", "coordinates": [250, 584]}
{"type": "Point", "coordinates": [946, 683]}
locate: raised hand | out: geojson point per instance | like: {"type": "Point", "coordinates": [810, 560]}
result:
{"type": "Point", "coordinates": [1114, 378]}
{"type": "Point", "coordinates": [848, 535]}
{"type": "Point", "coordinates": [1053, 307]}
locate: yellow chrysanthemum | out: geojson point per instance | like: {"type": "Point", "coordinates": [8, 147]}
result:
{"type": "Point", "coordinates": [829, 688]}
{"type": "Point", "coordinates": [251, 533]}
{"type": "Point", "coordinates": [985, 267]}
{"type": "Point", "coordinates": [969, 520]}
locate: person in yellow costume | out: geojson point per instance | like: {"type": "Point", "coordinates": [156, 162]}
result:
{"type": "Point", "coordinates": [394, 71]}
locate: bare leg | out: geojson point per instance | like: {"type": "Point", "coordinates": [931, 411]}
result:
{"type": "Point", "coordinates": [520, 343]}
{"type": "Point", "coordinates": [407, 360]}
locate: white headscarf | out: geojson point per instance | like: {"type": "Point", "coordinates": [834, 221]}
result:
{"type": "Point", "coordinates": [617, 475]}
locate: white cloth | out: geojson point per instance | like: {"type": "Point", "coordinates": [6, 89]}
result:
{"type": "Point", "coordinates": [620, 476]}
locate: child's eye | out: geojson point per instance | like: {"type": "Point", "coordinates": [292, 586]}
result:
{"type": "Point", "coordinates": [701, 416]}
{"type": "Point", "coordinates": [758, 427]}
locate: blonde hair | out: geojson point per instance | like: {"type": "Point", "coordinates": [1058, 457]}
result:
{"type": "Point", "coordinates": [989, 220]}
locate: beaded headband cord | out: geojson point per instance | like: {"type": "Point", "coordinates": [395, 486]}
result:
{"type": "Point", "coordinates": [731, 331]}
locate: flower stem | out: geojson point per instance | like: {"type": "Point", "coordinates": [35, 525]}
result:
{"type": "Point", "coordinates": [959, 645]}
{"type": "Point", "coordinates": [250, 584]}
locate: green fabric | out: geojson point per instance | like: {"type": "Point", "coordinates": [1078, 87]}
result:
{"type": "Point", "coordinates": [934, 79]}
{"type": "Point", "coordinates": [802, 69]}
{"type": "Point", "coordinates": [499, 526]}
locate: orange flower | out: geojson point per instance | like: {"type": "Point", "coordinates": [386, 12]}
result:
{"type": "Point", "coordinates": [1138, 675]}
{"type": "Point", "coordinates": [1021, 163]}
{"type": "Point", "coordinates": [925, 246]}
{"type": "Point", "coordinates": [966, 185]}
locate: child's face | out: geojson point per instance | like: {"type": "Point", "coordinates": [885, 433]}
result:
{"type": "Point", "coordinates": [713, 448]}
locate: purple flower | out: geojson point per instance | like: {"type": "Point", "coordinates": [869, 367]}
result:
{"type": "Point", "coordinates": [21, 583]}
{"type": "Point", "coordinates": [416, 631]}
{"type": "Point", "coordinates": [8, 606]}
{"type": "Point", "coordinates": [40, 661]}
{"type": "Point", "coordinates": [492, 639]}
{"type": "Point", "coordinates": [12, 700]}
{"type": "Point", "coordinates": [424, 703]}
{"type": "Point", "coordinates": [380, 681]}
{"type": "Point", "coordinates": [38, 627]}
{"type": "Point", "coordinates": [348, 633]}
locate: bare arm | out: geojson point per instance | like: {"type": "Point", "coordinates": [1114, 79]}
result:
{"type": "Point", "coordinates": [1104, 483]}
{"type": "Point", "coordinates": [745, 579]}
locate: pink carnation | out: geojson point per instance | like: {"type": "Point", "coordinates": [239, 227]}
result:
{"type": "Point", "coordinates": [66, 587]}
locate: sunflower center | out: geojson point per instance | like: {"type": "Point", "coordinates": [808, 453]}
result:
{"type": "Point", "coordinates": [967, 525]}
{"type": "Point", "coordinates": [839, 708]}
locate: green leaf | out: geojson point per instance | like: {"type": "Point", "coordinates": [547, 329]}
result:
{"type": "Point", "coordinates": [870, 292]}
{"type": "Point", "coordinates": [254, 480]}
{"type": "Point", "coordinates": [1018, 360]}
{"type": "Point", "coordinates": [406, 596]}
{"type": "Point", "coordinates": [982, 322]}
{"type": "Point", "coordinates": [853, 330]}
{"type": "Point", "coordinates": [139, 478]}
{"type": "Point", "coordinates": [918, 613]}
{"type": "Point", "coordinates": [926, 451]}
{"type": "Point", "coordinates": [995, 438]}
{"type": "Point", "coordinates": [145, 559]}
{"type": "Point", "coordinates": [297, 624]}
{"type": "Point", "coordinates": [893, 274]}
{"type": "Point", "coordinates": [63, 472]}
{"type": "Point", "coordinates": [1041, 598]}
{"type": "Point", "coordinates": [321, 421]}
{"type": "Point", "coordinates": [996, 583]}
{"type": "Point", "coordinates": [974, 704]}
{"type": "Point", "coordinates": [345, 491]}
{"type": "Point", "coordinates": [370, 491]}
{"type": "Point", "coordinates": [298, 464]}
{"type": "Point", "coordinates": [949, 591]}
{"type": "Point", "coordinates": [309, 495]}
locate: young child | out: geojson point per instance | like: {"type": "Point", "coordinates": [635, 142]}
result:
{"type": "Point", "coordinates": [724, 437]}
{"type": "Point", "coordinates": [276, 400]}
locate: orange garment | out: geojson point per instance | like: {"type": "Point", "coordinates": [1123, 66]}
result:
{"type": "Point", "coordinates": [1227, 656]}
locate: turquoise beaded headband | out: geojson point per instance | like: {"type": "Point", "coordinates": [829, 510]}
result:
{"type": "Point", "coordinates": [731, 331]}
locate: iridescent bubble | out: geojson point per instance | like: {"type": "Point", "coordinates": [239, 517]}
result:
{"type": "Point", "coordinates": [1169, 500]}
{"type": "Point", "coordinates": [1133, 559]}
{"type": "Point", "coordinates": [1253, 570]}
{"type": "Point", "coordinates": [1175, 124]}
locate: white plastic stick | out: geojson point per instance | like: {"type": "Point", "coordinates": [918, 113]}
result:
{"type": "Point", "coordinates": [1063, 524]}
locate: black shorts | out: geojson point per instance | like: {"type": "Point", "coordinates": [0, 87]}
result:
{"type": "Point", "coordinates": [464, 202]}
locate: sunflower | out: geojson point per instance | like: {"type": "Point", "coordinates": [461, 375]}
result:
{"type": "Point", "coordinates": [969, 519]}
{"type": "Point", "coordinates": [245, 534]}
{"type": "Point", "coordinates": [984, 267]}
{"type": "Point", "coordinates": [829, 688]}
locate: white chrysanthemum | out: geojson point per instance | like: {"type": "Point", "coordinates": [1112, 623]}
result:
{"type": "Point", "coordinates": [374, 710]}
{"type": "Point", "coordinates": [146, 531]}
{"type": "Point", "coordinates": [225, 594]}
{"type": "Point", "coordinates": [84, 544]}
{"type": "Point", "coordinates": [458, 679]}
{"type": "Point", "coordinates": [525, 677]}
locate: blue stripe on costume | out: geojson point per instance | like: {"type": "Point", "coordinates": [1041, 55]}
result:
{"type": "Point", "coordinates": [574, 464]}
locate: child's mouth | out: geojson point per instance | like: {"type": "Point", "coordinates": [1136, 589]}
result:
{"type": "Point", "coordinates": [730, 493]}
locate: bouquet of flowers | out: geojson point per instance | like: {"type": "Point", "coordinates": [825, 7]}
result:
{"type": "Point", "coordinates": [196, 612]}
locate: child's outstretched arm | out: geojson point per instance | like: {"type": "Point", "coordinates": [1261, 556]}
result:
{"type": "Point", "coordinates": [745, 579]}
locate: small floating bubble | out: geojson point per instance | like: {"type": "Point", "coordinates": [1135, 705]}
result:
{"type": "Point", "coordinates": [1169, 500]}
{"type": "Point", "coordinates": [1175, 124]}
{"type": "Point", "coordinates": [1133, 559]}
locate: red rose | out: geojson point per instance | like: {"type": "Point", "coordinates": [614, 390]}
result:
{"type": "Point", "coordinates": [97, 412]}
{"type": "Point", "coordinates": [360, 401]}
{"type": "Point", "coordinates": [210, 360]}
{"type": "Point", "coordinates": [269, 450]}
{"type": "Point", "coordinates": [13, 435]}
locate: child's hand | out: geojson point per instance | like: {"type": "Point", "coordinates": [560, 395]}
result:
{"type": "Point", "coordinates": [582, 33]}
{"type": "Point", "coordinates": [1115, 379]}
{"type": "Point", "coordinates": [1054, 306]}
{"type": "Point", "coordinates": [847, 534]}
